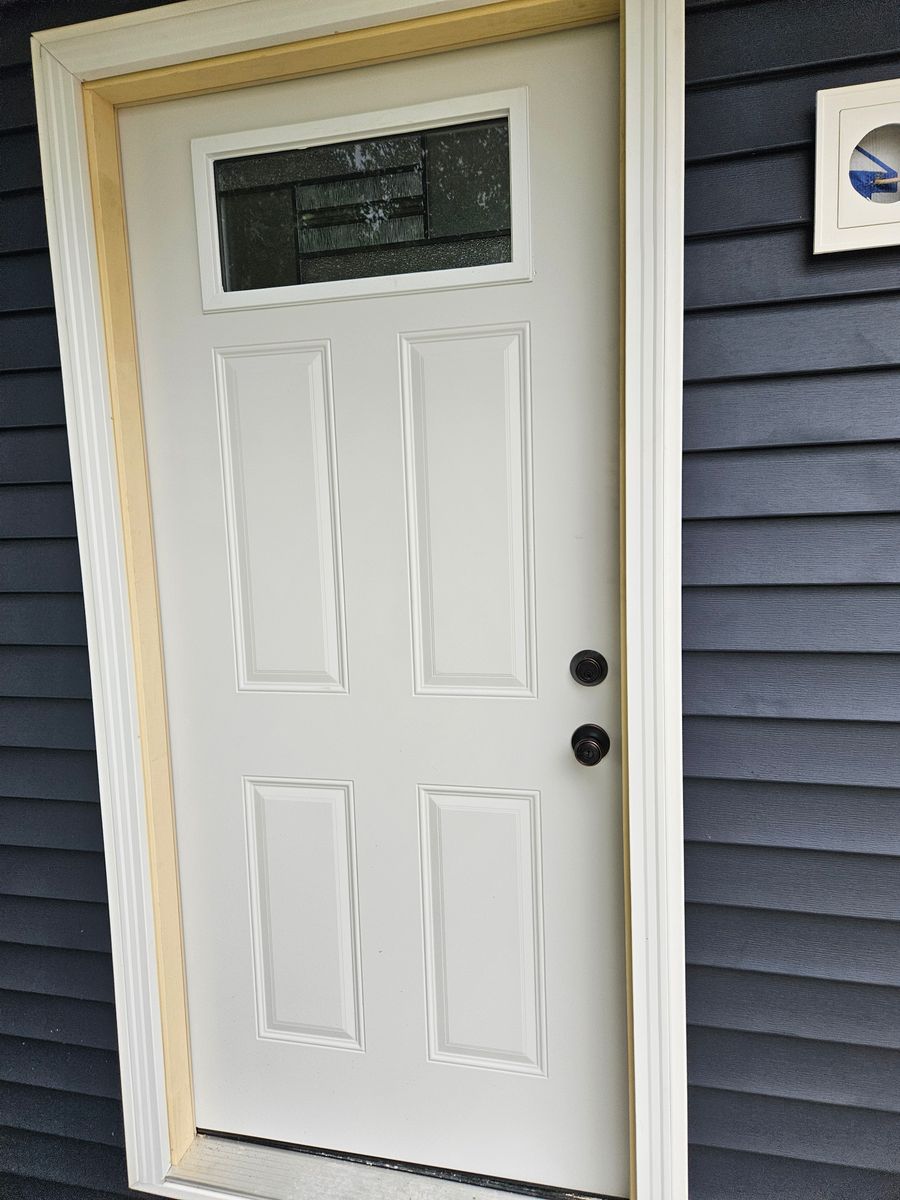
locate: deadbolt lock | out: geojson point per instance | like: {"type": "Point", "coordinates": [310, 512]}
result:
{"type": "Point", "coordinates": [589, 668]}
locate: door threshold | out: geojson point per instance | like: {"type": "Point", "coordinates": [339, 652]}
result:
{"type": "Point", "coordinates": [265, 1171]}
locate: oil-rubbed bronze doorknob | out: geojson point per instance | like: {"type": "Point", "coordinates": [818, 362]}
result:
{"type": "Point", "coordinates": [590, 743]}
{"type": "Point", "coordinates": [589, 668]}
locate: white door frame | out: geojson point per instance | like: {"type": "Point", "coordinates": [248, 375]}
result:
{"type": "Point", "coordinates": [653, 85]}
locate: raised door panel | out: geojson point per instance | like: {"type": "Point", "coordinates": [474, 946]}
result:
{"type": "Point", "coordinates": [280, 477]}
{"type": "Point", "coordinates": [481, 884]}
{"type": "Point", "coordinates": [303, 891]}
{"type": "Point", "coordinates": [468, 470]}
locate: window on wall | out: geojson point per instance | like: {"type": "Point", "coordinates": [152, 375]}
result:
{"type": "Point", "coordinates": [427, 200]}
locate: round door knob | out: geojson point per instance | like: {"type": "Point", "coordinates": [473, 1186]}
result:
{"type": "Point", "coordinates": [590, 743]}
{"type": "Point", "coordinates": [589, 668]}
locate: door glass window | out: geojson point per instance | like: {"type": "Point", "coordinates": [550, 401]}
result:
{"type": "Point", "coordinates": [427, 200]}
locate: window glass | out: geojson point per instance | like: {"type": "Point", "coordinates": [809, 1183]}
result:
{"type": "Point", "coordinates": [423, 201]}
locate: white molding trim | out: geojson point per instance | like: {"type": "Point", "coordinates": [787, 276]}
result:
{"type": "Point", "coordinates": [653, 91]}
{"type": "Point", "coordinates": [85, 382]}
{"type": "Point", "coordinates": [177, 33]}
{"type": "Point", "coordinates": [653, 58]}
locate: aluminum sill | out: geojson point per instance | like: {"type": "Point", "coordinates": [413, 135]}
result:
{"type": "Point", "coordinates": [248, 1169]}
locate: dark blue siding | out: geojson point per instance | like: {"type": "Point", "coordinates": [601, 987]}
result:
{"type": "Point", "coordinates": [792, 625]}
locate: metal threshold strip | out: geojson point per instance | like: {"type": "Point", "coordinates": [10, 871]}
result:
{"type": "Point", "coordinates": [247, 1168]}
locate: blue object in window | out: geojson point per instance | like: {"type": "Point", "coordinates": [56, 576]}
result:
{"type": "Point", "coordinates": [868, 183]}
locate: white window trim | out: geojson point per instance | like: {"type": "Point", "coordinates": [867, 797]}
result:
{"type": "Point", "coordinates": [653, 32]}
{"type": "Point", "coordinates": [511, 104]}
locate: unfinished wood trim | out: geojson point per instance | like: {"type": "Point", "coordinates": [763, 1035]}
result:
{"type": "Point", "coordinates": [500, 22]}
{"type": "Point", "coordinates": [504, 21]}
{"type": "Point", "coordinates": [101, 128]}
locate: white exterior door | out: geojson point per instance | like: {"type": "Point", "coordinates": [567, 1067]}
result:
{"type": "Point", "coordinates": [386, 517]}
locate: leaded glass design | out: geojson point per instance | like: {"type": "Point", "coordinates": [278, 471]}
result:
{"type": "Point", "coordinates": [422, 201]}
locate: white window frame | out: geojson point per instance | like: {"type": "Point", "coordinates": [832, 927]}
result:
{"type": "Point", "coordinates": [653, 84]}
{"type": "Point", "coordinates": [205, 152]}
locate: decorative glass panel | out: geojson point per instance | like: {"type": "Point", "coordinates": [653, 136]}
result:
{"type": "Point", "coordinates": [423, 201]}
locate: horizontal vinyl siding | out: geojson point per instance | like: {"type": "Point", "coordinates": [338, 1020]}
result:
{"type": "Point", "coordinates": [734, 1175]}
{"type": "Point", "coordinates": [792, 410]}
{"type": "Point", "coordinates": [842, 620]}
{"type": "Point", "coordinates": [791, 625]}
{"type": "Point", "coordinates": [794, 1006]}
{"type": "Point", "coordinates": [61, 1130]}
{"type": "Point", "coordinates": [808, 945]}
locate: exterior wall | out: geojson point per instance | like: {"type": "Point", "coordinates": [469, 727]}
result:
{"type": "Point", "coordinates": [792, 625]}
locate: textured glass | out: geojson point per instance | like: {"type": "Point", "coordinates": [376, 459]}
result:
{"type": "Point", "coordinates": [254, 228]}
{"type": "Point", "coordinates": [424, 201]}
